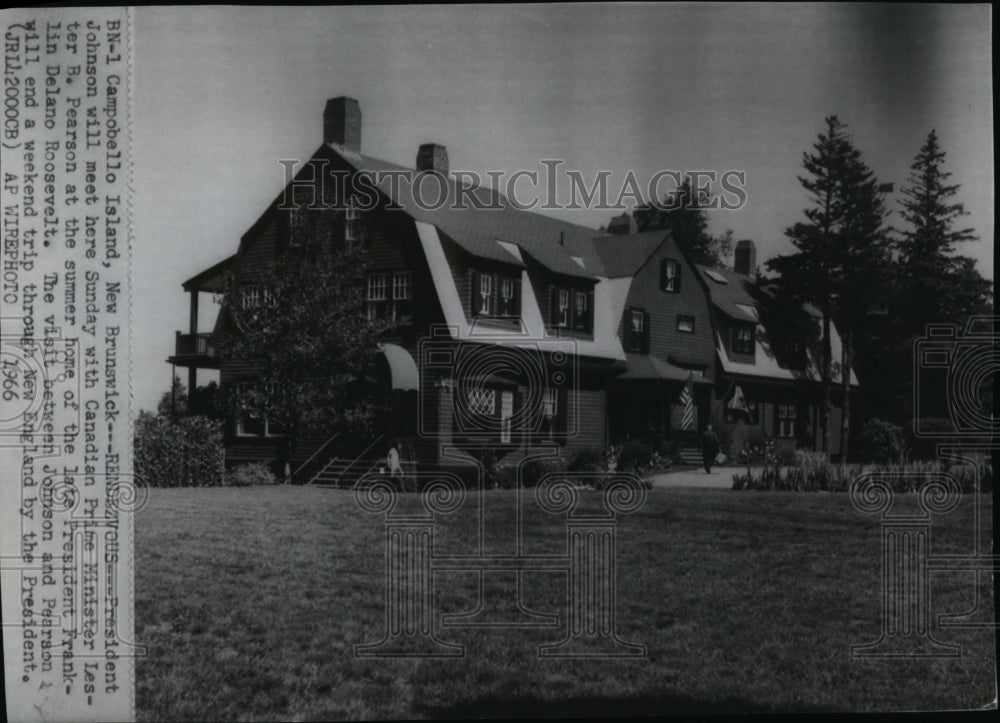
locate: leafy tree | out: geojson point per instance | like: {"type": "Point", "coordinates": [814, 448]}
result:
{"type": "Point", "coordinates": [173, 403]}
{"type": "Point", "coordinates": [301, 324]}
{"type": "Point", "coordinates": [173, 448]}
{"type": "Point", "coordinates": [177, 403]}
{"type": "Point", "coordinates": [683, 212]}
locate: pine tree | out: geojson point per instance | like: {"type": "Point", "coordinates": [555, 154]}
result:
{"type": "Point", "coordinates": [935, 283]}
{"type": "Point", "coordinates": [808, 274]}
{"type": "Point", "coordinates": [841, 249]}
{"type": "Point", "coordinates": [683, 212]}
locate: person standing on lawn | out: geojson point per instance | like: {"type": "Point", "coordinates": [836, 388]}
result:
{"type": "Point", "coordinates": [709, 447]}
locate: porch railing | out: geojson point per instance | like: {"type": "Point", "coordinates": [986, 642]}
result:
{"type": "Point", "coordinates": [194, 345]}
{"type": "Point", "coordinates": [307, 470]}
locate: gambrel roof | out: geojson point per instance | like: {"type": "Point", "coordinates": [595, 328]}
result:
{"type": "Point", "coordinates": [730, 294]}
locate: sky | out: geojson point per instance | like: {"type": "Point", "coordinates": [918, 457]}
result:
{"type": "Point", "coordinates": [222, 94]}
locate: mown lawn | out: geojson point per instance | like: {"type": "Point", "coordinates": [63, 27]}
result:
{"type": "Point", "coordinates": [251, 600]}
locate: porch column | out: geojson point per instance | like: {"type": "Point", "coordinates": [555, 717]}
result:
{"type": "Point", "coordinates": [193, 323]}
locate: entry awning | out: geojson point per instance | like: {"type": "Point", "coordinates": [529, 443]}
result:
{"type": "Point", "coordinates": [645, 367]}
{"type": "Point", "coordinates": [402, 368]}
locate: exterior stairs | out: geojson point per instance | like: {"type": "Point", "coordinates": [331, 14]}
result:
{"type": "Point", "coordinates": [690, 456]}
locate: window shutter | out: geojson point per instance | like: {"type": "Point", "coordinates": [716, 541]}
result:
{"type": "Point", "coordinates": [562, 412]}
{"type": "Point", "coordinates": [590, 312]}
{"type": "Point", "coordinates": [553, 306]}
{"type": "Point", "coordinates": [474, 299]}
{"type": "Point", "coordinates": [663, 274]}
{"type": "Point", "coordinates": [645, 332]}
{"type": "Point", "coordinates": [516, 303]}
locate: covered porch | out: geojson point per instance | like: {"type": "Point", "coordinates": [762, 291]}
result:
{"type": "Point", "coordinates": [648, 402]}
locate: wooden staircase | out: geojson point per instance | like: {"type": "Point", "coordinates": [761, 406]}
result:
{"type": "Point", "coordinates": [690, 456]}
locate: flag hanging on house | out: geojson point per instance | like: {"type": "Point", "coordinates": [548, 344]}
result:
{"type": "Point", "coordinates": [687, 401]}
{"type": "Point", "coordinates": [738, 403]}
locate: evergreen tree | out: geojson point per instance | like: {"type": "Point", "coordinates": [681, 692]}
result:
{"type": "Point", "coordinates": [842, 249]}
{"type": "Point", "coordinates": [683, 212]}
{"type": "Point", "coordinates": [808, 274]}
{"type": "Point", "coordinates": [935, 284]}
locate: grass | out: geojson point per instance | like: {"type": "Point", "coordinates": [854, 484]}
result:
{"type": "Point", "coordinates": [251, 600]}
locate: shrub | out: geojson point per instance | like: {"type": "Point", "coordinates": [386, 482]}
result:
{"type": "Point", "coordinates": [635, 455]}
{"type": "Point", "coordinates": [589, 459]}
{"type": "Point", "coordinates": [184, 451]}
{"type": "Point", "coordinates": [923, 447]}
{"type": "Point", "coordinates": [249, 475]}
{"type": "Point", "coordinates": [784, 456]}
{"type": "Point", "coordinates": [725, 434]}
{"type": "Point", "coordinates": [881, 442]}
{"type": "Point", "coordinates": [502, 476]}
{"type": "Point", "coordinates": [533, 470]}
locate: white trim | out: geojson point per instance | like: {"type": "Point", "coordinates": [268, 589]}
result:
{"type": "Point", "coordinates": [606, 345]}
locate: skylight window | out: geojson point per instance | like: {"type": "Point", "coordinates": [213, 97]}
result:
{"type": "Point", "coordinates": [716, 276]}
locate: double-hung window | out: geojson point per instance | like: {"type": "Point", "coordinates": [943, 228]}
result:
{"type": "Point", "coordinates": [743, 339]}
{"type": "Point", "coordinates": [572, 308]}
{"type": "Point", "coordinates": [352, 221]}
{"type": "Point", "coordinates": [495, 295]}
{"type": "Point", "coordinates": [786, 421]}
{"type": "Point", "coordinates": [378, 295]}
{"type": "Point", "coordinates": [252, 296]}
{"type": "Point", "coordinates": [670, 275]}
{"type": "Point", "coordinates": [637, 330]}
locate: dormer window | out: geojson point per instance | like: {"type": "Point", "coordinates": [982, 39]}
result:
{"type": "Point", "coordinates": [506, 299]}
{"type": "Point", "coordinates": [495, 295]}
{"type": "Point", "coordinates": [579, 311]}
{"type": "Point", "coordinates": [670, 275]}
{"type": "Point", "coordinates": [572, 308]}
{"type": "Point", "coordinates": [743, 339]}
{"type": "Point", "coordinates": [563, 307]}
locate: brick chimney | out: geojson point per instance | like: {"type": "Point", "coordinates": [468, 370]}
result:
{"type": "Point", "coordinates": [745, 257]}
{"type": "Point", "coordinates": [342, 123]}
{"type": "Point", "coordinates": [432, 157]}
{"type": "Point", "coordinates": [622, 225]}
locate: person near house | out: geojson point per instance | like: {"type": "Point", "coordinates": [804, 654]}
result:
{"type": "Point", "coordinates": [709, 447]}
{"type": "Point", "coordinates": [392, 460]}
